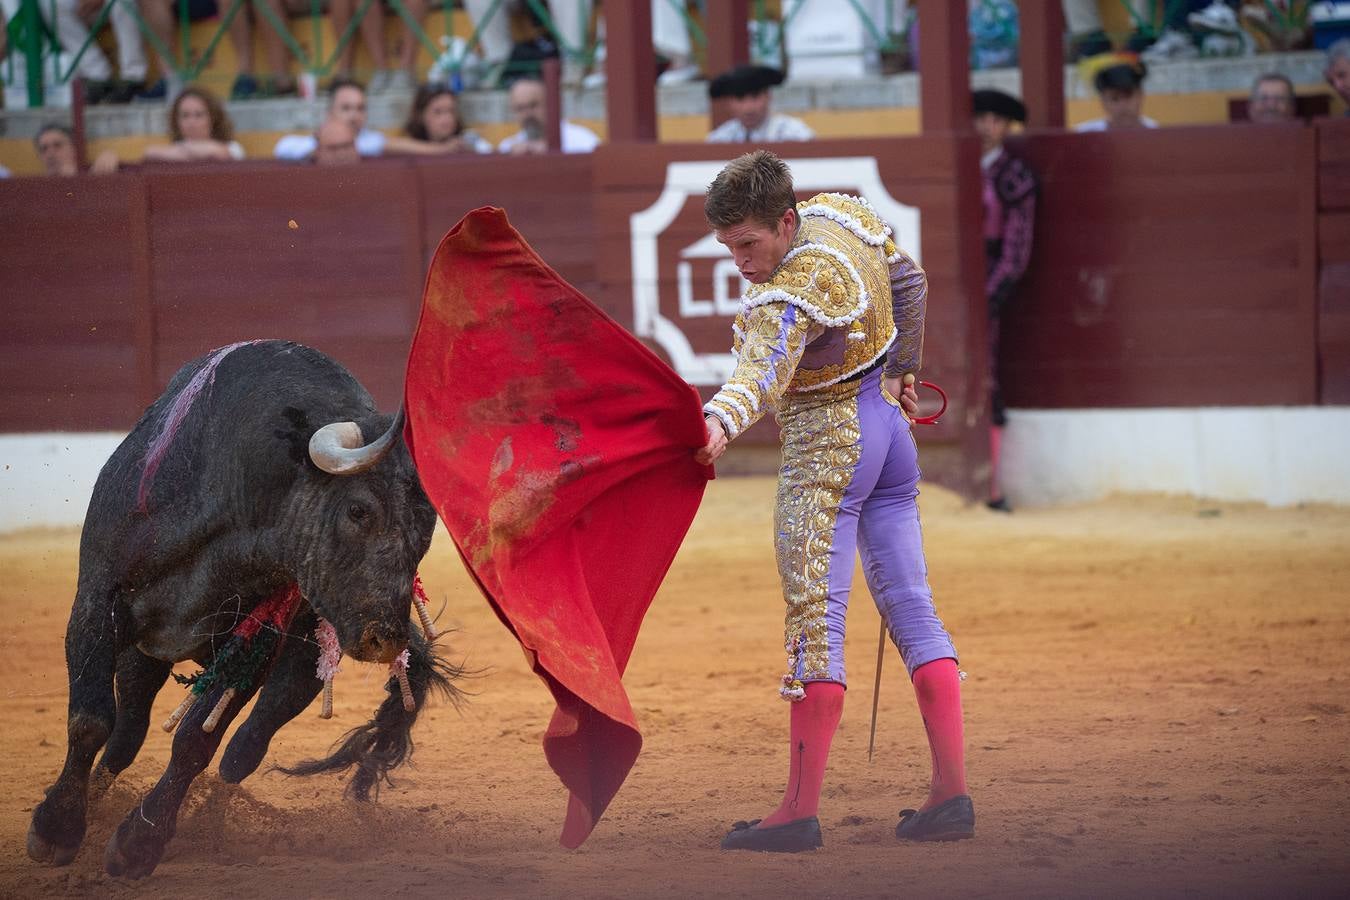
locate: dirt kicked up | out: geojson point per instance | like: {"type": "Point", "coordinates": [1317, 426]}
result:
{"type": "Point", "coordinates": [1158, 704]}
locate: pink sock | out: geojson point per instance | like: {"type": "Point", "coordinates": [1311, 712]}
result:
{"type": "Point", "coordinates": [937, 685]}
{"type": "Point", "coordinates": [814, 721]}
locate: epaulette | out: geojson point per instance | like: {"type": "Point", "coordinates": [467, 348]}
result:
{"type": "Point", "coordinates": [854, 213]}
{"type": "Point", "coordinates": [820, 281]}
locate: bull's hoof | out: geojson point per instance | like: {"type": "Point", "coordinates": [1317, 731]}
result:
{"type": "Point", "coordinates": [135, 848]}
{"type": "Point", "coordinates": [44, 851]}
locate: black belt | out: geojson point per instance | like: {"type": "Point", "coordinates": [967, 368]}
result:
{"type": "Point", "coordinates": [865, 372]}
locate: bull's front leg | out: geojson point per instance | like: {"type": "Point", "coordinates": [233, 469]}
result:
{"type": "Point", "coordinates": [290, 687]}
{"type": "Point", "coordinates": [138, 844]}
{"type": "Point", "coordinates": [139, 678]}
{"type": "Point", "coordinates": [58, 822]}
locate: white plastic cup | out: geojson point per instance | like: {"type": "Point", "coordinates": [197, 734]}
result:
{"type": "Point", "coordinates": [308, 85]}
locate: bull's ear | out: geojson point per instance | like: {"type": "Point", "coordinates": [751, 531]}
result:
{"type": "Point", "coordinates": [295, 434]}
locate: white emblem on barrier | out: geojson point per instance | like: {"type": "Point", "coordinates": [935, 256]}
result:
{"type": "Point", "coordinates": [691, 179]}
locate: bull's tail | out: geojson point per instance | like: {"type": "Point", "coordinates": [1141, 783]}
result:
{"type": "Point", "coordinates": [385, 742]}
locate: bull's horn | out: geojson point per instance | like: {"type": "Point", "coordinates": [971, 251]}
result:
{"type": "Point", "coordinates": [338, 448]}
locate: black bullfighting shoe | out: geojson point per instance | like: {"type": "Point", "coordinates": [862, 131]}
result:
{"type": "Point", "coordinates": [794, 837]}
{"type": "Point", "coordinates": [953, 820]}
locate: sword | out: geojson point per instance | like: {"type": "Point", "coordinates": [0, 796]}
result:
{"type": "Point", "coordinates": [876, 688]}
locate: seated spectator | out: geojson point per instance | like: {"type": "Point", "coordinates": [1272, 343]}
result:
{"type": "Point", "coordinates": [1119, 81]}
{"type": "Point", "coordinates": [346, 102]}
{"type": "Point", "coordinates": [747, 88]}
{"type": "Point", "coordinates": [1083, 21]}
{"type": "Point", "coordinates": [1338, 70]}
{"type": "Point", "coordinates": [1272, 99]}
{"type": "Point", "coordinates": [529, 104]}
{"type": "Point", "coordinates": [384, 78]}
{"type": "Point", "coordinates": [159, 17]}
{"type": "Point", "coordinates": [72, 20]}
{"type": "Point", "coordinates": [571, 21]}
{"type": "Point", "coordinates": [200, 130]}
{"type": "Point", "coordinates": [335, 144]}
{"type": "Point", "coordinates": [56, 148]}
{"type": "Point", "coordinates": [435, 126]}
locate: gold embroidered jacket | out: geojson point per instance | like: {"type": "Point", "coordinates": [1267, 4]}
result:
{"type": "Point", "coordinates": [823, 316]}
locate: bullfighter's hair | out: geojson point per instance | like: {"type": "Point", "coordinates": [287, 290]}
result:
{"type": "Point", "coordinates": [173, 416]}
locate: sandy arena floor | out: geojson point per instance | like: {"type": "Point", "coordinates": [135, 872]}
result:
{"type": "Point", "coordinates": [1157, 705]}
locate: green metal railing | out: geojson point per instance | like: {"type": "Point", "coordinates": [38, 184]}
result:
{"type": "Point", "coordinates": [34, 39]}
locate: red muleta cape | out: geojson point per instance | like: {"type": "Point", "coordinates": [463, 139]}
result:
{"type": "Point", "coordinates": [559, 453]}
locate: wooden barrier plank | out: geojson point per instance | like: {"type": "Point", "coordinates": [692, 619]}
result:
{"type": "Point", "coordinates": [1333, 164]}
{"type": "Point", "coordinates": [1184, 255]}
{"type": "Point", "coordinates": [68, 349]}
{"type": "Point", "coordinates": [229, 266]}
{"type": "Point", "coordinates": [1333, 306]}
{"type": "Point", "coordinates": [547, 199]}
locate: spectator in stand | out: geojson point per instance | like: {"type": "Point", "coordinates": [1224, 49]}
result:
{"type": "Point", "coordinates": [571, 19]}
{"type": "Point", "coordinates": [1189, 29]}
{"type": "Point", "coordinates": [159, 18]}
{"type": "Point", "coordinates": [1009, 195]}
{"type": "Point", "coordinates": [200, 130]}
{"type": "Point", "coordinates": [529, 104]}
{"type": "Point", "coordinates": [335, 144]}
{"type": "Point", "coordinates": [1338, 70]}
{"type": "Point", "coordinates": [346, 102]}
{"type": "Point", "coordinates": [56, 148]}
{"type": "Point", "coordinates": [747, 91]}
{"type": "Point", "coordinates": [1119, 81]}
{"type": "Point", "coordinates": [384, 78]}
{"type": "Point", "coordinates": [435, 126]}
{"type": "Point", "coordinates": [1083, 21]}
{"type": "Point", "coordinates": [1272, 99]}
{"type": "Point", "coordinates": [71, 26]}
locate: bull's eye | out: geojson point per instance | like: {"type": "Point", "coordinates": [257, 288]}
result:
{"type": "Point", "coordinates": [357, 513]}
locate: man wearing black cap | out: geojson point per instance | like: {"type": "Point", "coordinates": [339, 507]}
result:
{"type": "Point", "coordinates": [747, 90]}
{"type": "Point", "coordinates": [1009, 195]}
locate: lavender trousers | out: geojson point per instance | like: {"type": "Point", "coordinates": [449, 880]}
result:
{"type": "Point", "coordinates": [849, 484]}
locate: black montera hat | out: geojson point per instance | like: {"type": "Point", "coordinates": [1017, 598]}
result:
{"type": "Point", "coordinates": [743, 81]}
{"type": "Point", "coordinates": [989, 100]}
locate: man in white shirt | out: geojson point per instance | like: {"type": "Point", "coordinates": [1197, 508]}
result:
{"type": "Point", "coordinates": [747, 90]}
{"type": "Point", "coordinates": [346, 103]}
{"type": "Point", "coordinates": [529, 104]}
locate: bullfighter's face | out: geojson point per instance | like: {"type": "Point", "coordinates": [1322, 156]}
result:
{"type": "Point", "coordinates": [758, 248]}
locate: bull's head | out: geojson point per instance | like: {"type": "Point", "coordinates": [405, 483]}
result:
{"type": "Point", "coordinates": [375, 525]}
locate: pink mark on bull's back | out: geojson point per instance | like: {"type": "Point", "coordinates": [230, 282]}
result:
{"type": "Point", "coordinates": [173, 417]}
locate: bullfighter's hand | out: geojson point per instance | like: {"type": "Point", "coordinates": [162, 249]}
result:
{"type": "Point", "coordinates": [901, 387]}
{"type": "Point", "coordinates": [717, 441]}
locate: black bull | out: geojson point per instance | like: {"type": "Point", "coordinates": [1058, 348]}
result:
{"type": "Point", "coordinates": [216, 501]}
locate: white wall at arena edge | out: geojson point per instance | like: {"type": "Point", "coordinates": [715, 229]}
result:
{"type": "Point", "coordinates": [46, 480]}
{"type": "Point", "coordinates": [1276, 455]}
{"type": "Point", "coordinates": [1280, 456]}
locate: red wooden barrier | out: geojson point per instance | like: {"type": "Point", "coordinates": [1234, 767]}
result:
{"type": "Point", "coordinates": [1333, 247]}
{"type": "Point", "coordinates": [74, 295]}
{"type": "Point", "coordinates": [1171, 268]}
